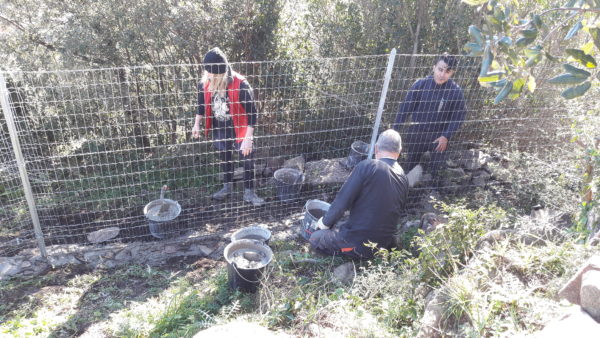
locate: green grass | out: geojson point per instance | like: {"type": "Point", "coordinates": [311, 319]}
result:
{"type": "Point", "coordinates": [505, 289]}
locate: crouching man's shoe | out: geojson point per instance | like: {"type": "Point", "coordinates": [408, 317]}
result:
{"type": "Point", "coordinates": [251, 197]}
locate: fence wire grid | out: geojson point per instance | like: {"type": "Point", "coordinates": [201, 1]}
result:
{"type": "Point", "coordinates": [99, 144]}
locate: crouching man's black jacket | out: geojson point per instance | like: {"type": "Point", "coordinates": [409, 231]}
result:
{"type": "Point", "coordinates": [375, 193]}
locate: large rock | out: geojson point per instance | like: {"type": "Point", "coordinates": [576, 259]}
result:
{"type": "Point", "coordinates": [8, 267]}
{"type": "Point", "coordinates": [454, 174]}
{"type": "Point", "coordinates": [61, 260]}
{"type": "Point", "coordinates": [576, 323]}
{"type": "Point", "coordinates": [103, 235]}
{"type": "Point", "coordinates": [431, 221]}
{"type": "Point", "coordinates": [271, 165]}
{"type": "Point", "coordinates": [295, 163]}
{"type": "Point", "coordinates": [572, 290]}
{"type": "Point", "coordinates": [590, 294]}
{"type": "Point", "coordinates": [344, 273]}
{"type": "Point", "coordinates": [480, 178]}
{"type": "Point", "coordinates": [415, 175]}
{"type": "Point", "coordinates": [239, 328]}
{"type": "Point", "coordinates": [595, 239]}
{"type": "Point", "coordinates": [432, 317]}
{"type": "Point", "coordinates": [325, 171]}
{"type": "Point", "coordinates": [473, 159]}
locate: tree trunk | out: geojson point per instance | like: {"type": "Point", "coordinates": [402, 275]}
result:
{"type": "Point", "coordinates": [421, 14]}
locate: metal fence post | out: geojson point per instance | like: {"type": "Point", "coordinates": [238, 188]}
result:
{"type": "Point", "coordinates": [386, 83]}
{"type": "Point", "coordinates": [12, 129]}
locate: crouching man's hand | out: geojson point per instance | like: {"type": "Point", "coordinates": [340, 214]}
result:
{"type": "Point", "coordinates": [320, 224]}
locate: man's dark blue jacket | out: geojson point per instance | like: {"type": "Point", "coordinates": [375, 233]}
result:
{"type": "Point", "coordinates": [435, 109]}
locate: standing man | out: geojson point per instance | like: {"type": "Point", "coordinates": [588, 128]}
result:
{"type": "Point", "coordinates": [375, 193]}
{"type": "Point", "coordinates": [437, 108]}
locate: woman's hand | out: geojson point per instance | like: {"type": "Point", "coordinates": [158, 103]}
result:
{"type": "Point", "coordinates": [196, 131]}
{"type": "Point", "coordinates": [246, 146]}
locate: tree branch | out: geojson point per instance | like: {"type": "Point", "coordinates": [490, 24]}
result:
{"type": "Point", "coordinates": [580, 10]}
{"type": "Point", "coordinates": [13, 23]}
{"type": "Point", "coordinates": [34, 38]}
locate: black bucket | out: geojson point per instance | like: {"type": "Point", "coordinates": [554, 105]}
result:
{"type": "Point", "coordinates": [246, 260]}
{"type": "Point", "coordinates": [256, 233]}
{"type": "Point", "coordinates": [288, 182]}
{"type": "Point", "coordinates": [358, 152]}
{"type": "Point", "coordinates": [313, 210]}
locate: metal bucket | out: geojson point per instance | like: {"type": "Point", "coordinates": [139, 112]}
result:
{"type": "Point", "coordinates": [358, 152]}
{"type": "Point", "coordinates": [288, 182]}
{"type": "Point", "coordinates": [313, 210]}
{"type": "Point", "coordinates": [246, 260]}
{"type": "Point", "coordinates": [256, 233]}
{"type": "Point", "coordinates": [160, 214]}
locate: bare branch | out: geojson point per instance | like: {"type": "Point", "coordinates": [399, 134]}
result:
{"type": "Point", "coordinates": [580, 10]}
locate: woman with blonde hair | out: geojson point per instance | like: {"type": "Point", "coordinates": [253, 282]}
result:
{"type": "Point", "coordinates": [226, 103]}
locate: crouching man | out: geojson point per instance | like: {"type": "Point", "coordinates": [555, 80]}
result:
{"type": "Point", "coordinates": [375, 193]}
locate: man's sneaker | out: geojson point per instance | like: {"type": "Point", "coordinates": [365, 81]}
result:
{"type": "Point", "coordinates": [224, 192]}
{"type": "Point", "coordinates": [251, 197]}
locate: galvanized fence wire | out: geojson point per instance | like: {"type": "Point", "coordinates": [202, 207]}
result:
{"type": "Point", "coordinates": [536, 127]}
{"type": "Point", "coordinates": [100, 143]}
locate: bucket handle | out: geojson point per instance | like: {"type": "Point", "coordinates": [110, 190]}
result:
{"type": "Point", "coordinates": [240, 275]}
{"type": "Point", "coordinates": [299, 179]}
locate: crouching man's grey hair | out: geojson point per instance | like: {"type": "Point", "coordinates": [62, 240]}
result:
{"type": "Point", "coordinates": [390, 141]}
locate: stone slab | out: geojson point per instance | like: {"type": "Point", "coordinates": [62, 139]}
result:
{"type": "Point", "coordinates": [326, 171]}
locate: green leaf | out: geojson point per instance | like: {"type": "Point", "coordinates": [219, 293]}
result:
{"type": "Point", "coordinates": [566, 79]}
{"type": "Point", "coordinates": [498, 84]}
{"type": "Point", "coordinates": [493, 21]}
{"type": "Point", "coordinates": [576, 27]}
{"type": "Point", "coordinates": [488, 57]}
{"type": "Point", "coordinates": [570, 4]}
{"type": "Point", "coordinates": [531, 84]}
{"type": "Point", "coordinates": [499, 14]}
{"type": "Point", "coordinates": [534, 55]}
{"type": "Point", "coordinates": [534, 60]}
{"type": "Point", "coordinates": [517, 88]}
{"type": "Point", "coordinates": [576, 71]}
{"type": "Point", "coordinates": [490, 77]}
{"type": "Point", "coordinates": [576, 91]}
{"type": "Point", "coordinates": [581, 57]}
{"type": "Point", "coordinates": [506, 41]}
{"type": "Point", "coordinates": [588, 47]}
{"type": "Point", "coordinates": [533, 51]}
{"type": "Point", "coordinates": [523, 42]}
{"type": "Point", "coordinates": [530, 33]}
{"type": "Point", "coordinates": [474, 2]}
{"type": "Point", "coordinates": [503, 92]}
{"type": "Point", "coordinates": [595, 33]}
{"type": "Point", "coordinates": [537, 21]}
{"type": "Point", "coordinates": [513, 56]}
{"type": "Point", "coordinates": [474, 49]}
{"type": "Point", "coordinates": [476, 34]}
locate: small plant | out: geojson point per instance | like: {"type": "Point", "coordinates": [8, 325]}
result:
{"type": "Point", "coordinates": [447, 248]}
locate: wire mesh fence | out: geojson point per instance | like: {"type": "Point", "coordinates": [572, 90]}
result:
{"type": "Point", "coordinates": [99, 144]}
